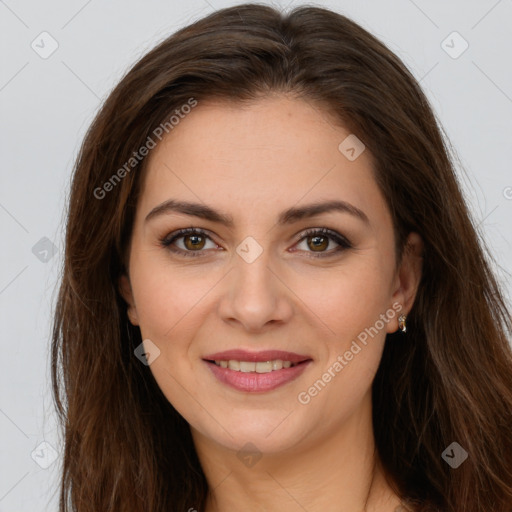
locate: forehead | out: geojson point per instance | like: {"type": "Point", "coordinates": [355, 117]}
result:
{"type": "Point", "coordinates": [274, 151]}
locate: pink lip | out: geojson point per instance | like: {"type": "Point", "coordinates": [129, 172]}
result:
{"type": "Point", "coordinates": [264, 355]}
{"type": "Point", "coordinates": [252, 381]}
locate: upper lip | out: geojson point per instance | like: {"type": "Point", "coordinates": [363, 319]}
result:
{"type": "Point", "coordinates": [264, 355]}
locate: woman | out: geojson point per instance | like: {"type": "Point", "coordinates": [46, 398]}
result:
{"type": "Point", "coordinates": [273, 296]}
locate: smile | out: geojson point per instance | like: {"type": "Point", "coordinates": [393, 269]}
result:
{"type": "Point", "coordinates": [256, 371]}
{"type": "Point", "coordinates": [258, 367]}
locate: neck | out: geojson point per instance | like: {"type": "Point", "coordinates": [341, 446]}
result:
{"type": "Point", "coordinates": [340, 471]}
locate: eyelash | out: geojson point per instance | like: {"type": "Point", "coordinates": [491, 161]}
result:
{"type": "Point", "coordinates": [343, 243]}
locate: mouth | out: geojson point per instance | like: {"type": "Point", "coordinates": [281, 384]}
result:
{"type": "Point", "coordinates": [256, 371]}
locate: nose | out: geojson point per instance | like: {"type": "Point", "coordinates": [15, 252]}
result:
{"type": "Point", "coordinates": [255, 296]}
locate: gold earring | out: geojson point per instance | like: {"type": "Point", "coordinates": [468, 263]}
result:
{"type": "Point", "coordinates": [402, 323]}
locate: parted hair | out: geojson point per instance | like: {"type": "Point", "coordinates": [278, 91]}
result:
{"type": "Point", "coordinates": [449, 379]}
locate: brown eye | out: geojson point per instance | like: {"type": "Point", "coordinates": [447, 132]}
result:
{"type": "Point", "coordinates": [194, 242]}
{"type": "Point", "coordinates": [319, 243]}
{"type": "Point", "coordinates": [188, 242]}
{"type": "Point", "coordinates": [318, 240]}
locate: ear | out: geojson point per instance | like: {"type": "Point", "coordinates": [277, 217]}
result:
{"type": "Point", "coordinates": [125, 289]}
{"type": "Point", "coordinates": [407, 278]}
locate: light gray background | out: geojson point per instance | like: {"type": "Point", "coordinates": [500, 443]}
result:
{"type": "Point", "coordinates": [47, 104]}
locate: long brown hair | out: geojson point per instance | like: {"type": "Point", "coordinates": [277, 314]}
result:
{"type": "Point", "coordinates": [448, 380]}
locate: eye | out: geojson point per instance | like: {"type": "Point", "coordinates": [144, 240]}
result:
{"type": "Point", "coordinates": [319, 239]}
{"type": "Point", "coordinates": [193, 240]}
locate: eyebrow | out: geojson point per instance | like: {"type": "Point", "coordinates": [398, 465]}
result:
{"type": "Point", "coordinates": [289, 216]}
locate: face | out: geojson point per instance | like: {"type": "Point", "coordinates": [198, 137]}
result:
{"type": "Point", "coordinates": [295, 302]}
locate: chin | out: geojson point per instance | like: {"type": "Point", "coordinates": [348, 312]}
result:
{"type": "Point", "coordinates": [269, 433]}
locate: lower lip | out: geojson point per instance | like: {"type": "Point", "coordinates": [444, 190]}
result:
{"type": "Point", "coordinates": [257, 382]}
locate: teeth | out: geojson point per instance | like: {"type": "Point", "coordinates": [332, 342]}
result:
{"type": "Point", "coordinates": [247, 367]}
{"type": "Point", "coordinates": [263, 366]}
{"type": "Point", "coordinates": [258, 367]}
{"type": "Point", "coordinates": [277, 364]}
{"type": "Point", "coordinates": [234, 365]}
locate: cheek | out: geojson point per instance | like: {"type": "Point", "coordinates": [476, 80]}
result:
{"type": "Point", "coordinates": [348, 300]}
{"type": "Point", "coordinates": [165, 296]}
{"type": "Point", "coordinates": [170, 307]}
{"type": "Point", "coordinates": [351, 307]}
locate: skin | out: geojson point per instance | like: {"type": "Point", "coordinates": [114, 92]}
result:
{"type": "Point", "coordinates": [253, 162]}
